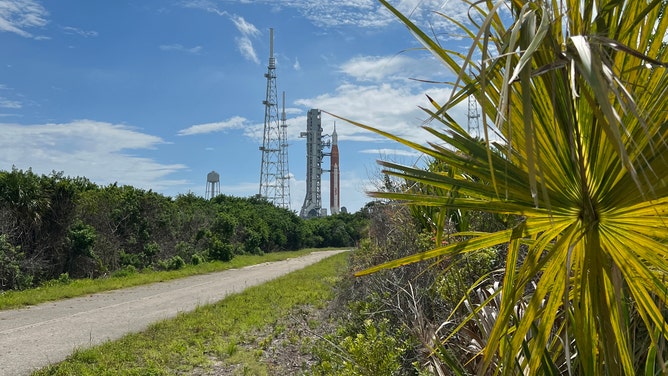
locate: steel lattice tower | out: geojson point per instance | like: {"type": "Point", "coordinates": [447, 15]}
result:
{"type": "Point", "coordinates": [284, 180]}
{"type": "Point", "coordinates": [473, 123]}
{"type": "Point", "coordinates": [274, 175]}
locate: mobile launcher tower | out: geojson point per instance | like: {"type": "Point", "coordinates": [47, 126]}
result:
{"type": "Point", "coordinates": [314, 154]}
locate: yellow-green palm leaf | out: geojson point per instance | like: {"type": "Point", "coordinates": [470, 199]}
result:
{"type": "Point", "coordinates": [578, 93]}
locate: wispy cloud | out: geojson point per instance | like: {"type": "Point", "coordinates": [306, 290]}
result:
{"type": "Point", "coordinates": [88, 148]}
{"type": "Point", "coordinates": [80, 32]}
{"type": "Point", "coordinates": [233, 123]}
{"type": "Point", "coordinates": [7, 103]}
{"type": "Point", "coordinates": [17, 16]}
{"type": "Point", "coordinates": [247, 30]}
{"type": "Point", "coordinates": [368, 13]}
{"type": "Point", "coordinates": [380, 68]}
{"type": "Point", "coordinates": [391, 152]}
{"type": "Point", "coordinates": [245, 41]}
{"type": "Point", "coordinates": [206, 5]}
{"type": "Point", "coordinates": [180, 48]}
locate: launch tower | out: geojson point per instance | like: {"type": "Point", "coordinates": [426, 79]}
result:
{"type": "Point", "coordinates": [314, 153]}
{"type": "Point", "coordinates": [274, 175]}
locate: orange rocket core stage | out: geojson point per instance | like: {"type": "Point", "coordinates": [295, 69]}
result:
{"type": "Point", "coordinates": [334, 176]}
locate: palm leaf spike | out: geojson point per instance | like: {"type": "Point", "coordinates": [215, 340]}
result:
{"type": "Point", "coordinates": [581, 121]}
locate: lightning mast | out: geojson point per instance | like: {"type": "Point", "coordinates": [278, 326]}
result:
{"type": "Point", "coordinates": [473, 122]}
{"type": "Point", "coordinates": [274, 168]}
{"type": "Point", "coordinates": [285, 172]}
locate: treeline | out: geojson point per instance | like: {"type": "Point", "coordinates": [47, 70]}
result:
{"type": "Point", "coordinates": [52, 224]}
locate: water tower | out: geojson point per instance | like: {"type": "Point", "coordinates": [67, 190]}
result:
{"type": "Point", "coordinates": [212, 185]}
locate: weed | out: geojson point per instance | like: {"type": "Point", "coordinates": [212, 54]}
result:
{"type": "Point", "coordinates": [232, 348]}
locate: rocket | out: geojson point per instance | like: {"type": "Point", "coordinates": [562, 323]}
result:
{"type": "Point", "coordinates": [334, 176]}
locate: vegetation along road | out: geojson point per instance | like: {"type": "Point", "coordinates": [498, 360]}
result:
{"type": "Point", "coordinates": [34, 337]}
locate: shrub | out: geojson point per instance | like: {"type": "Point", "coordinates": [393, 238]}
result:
{"type": "Point", "coordinates": [221, 251]}
{"type": "Point", "coordinates": [197, 259]}
{"type": "Point", "coordinates": [81, 238]}
{"type": "Point", "coordinates": [376, 351]}
{"type": "Point", "coordinates": [64, 279]}
{"type": "Point", "coordinates": [129, 259]}
{"type": "Point", "coordinates": [12, 275]}
{"type": "Point", "coordinates": [126, 271]}
{"type": "Point", "coordinates": [175, 263]}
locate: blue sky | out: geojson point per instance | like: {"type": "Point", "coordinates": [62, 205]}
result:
{"type": "Point", "coordinates": [157, 93]}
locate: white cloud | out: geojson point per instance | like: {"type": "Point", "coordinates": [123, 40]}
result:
{"type": "Point", "coordinates": [389, 107]}
{"type": "Point", "coordinates": [233, 123]}
{"type": "Point", "coordinates": [374, 68]}
{"type": "Point", "coordinates": [7, 103]}
{"type": "Point", "coordinates": [16, 16]}
{"type": "Point", "coordinates": [180, 48]}
{"type": "Point", "coordinates": [382, 96]}
{"type": "Point", "coordinates": [368, 13]}
{"type": "Point", "coordinates": [96, 150]}
{"type": "Point", "coordinates": [244, 42]}
{"type": "Point", "coordinates": [391, 152]}
{"type": "Point", "coordinates": [206, 5]}
{"type": "Point", "coordinates": [247, 50]}
{"type": "Point", "coordinates": [80, 32]}
{"type": "Point", "coordinates": [334, 13]}
{"type": "Point", "coordinates": [247, 30]}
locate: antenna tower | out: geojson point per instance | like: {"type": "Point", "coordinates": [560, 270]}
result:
{"type": "Point", "coordinates": [473, 123]}
{"type": "Point", "coordinates": [274, 176]}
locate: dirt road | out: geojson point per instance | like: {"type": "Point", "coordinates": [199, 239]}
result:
{"type": "Point", "coordinates": [34, 337]}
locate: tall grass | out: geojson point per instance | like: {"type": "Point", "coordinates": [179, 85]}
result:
{"type": "Point", "coordinates": [70, 288]}
{"type": "Point", "coordinates": [210, 334]}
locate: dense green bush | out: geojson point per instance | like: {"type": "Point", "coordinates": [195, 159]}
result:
{"type": "Point", "coordinates": [221, 251]}
{"type": "Point", "coordinates": [174, 263]}
{"type": "Point", "coordinates": [51, 224]}
{"type": "Point", "coordinates": [12, 270]}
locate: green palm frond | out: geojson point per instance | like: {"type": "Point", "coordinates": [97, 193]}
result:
{"type": "Point", "coordinates": [577, 92]}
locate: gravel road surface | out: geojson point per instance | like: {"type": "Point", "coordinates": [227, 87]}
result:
{"type": "Point", "coordinates": [33, 337]}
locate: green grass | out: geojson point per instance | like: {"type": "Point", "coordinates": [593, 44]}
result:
{"type": "Point", "coordinates": [55, 290]}
{"type": "Point", "coordinates": [210, 333]}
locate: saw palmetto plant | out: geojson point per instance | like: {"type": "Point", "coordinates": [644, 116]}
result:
{"type": "Point", "coordinates": [574, 96]}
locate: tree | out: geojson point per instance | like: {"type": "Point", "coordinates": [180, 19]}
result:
{"type": "Point", "coordinates": [575, 90]}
